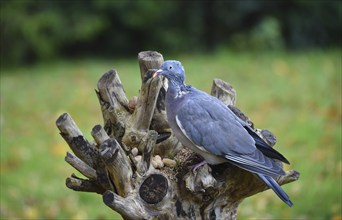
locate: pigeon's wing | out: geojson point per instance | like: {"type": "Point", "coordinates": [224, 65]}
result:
{"type": "Point", "coordinates": [265, 148]}
{"type": "Point", "coordinates": [212, 127]}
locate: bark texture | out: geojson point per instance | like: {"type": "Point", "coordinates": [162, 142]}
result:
{"type": "Point", "coordinates": [140, 168]}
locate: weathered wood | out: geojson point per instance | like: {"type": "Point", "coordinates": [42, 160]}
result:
{"type": "Point", "coordinates": [154, 188]}
{"type": "Point", "coordinates": [144, 106]}
{"type": "Point", "coordinates": [268, 136]}
{"type": "Point", "coordinates": [146, 146]}
{"type": "Point", "coordinates": [149, 60]}
{"type": "Point", "coordinates": [67, 126]}
{"type": "Point", "coordinates": [113, 102]}
{"type": "Point", "coordinates": [146, 102]}
{"type": "Point", "coordinates": [81, 166]}
{"type": "Point", "coordinates": [99, 134]}
{"type": "Point", "coordinates": [75, 139]}
{"type": "Point", "coordinates": [135, 135]}
{"type": "Point", "coordinates": [241, 115]}
{"type": "Point", "coordinates": [159, 121]}
{"type": "Point", "coordinates": [118, 166]}
{"type": "Point", "coordinates": [220, 188]}
{"type": "Point", "coordinates": [223, 91]}
{"type": "Point", "coordinates": [78, 184]}
{"type": "Point", "coordinates": [103, 178]}
{"type": "Point", "coordinates": [129, 207]}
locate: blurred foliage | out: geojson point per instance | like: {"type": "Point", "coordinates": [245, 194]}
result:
{"type": "Point", "coordinates": [295, 95]}
{"type": "Point", "coordinates": [33, 30]}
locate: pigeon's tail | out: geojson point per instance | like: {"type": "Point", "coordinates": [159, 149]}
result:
{"type": "Point", "coordinates": [276, 188]}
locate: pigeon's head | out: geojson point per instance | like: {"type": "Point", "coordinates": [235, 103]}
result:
{"type": "Point", "coordinates": [173, 71]}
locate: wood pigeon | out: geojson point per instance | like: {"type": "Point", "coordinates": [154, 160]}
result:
{"type": "Point", "coordinates": [208, 127]}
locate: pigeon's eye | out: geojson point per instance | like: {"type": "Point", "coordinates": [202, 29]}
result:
{"type": "Point", "coordinates": [170, 67]}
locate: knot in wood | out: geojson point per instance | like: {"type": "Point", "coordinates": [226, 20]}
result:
{"type": "Point", "coordinates": [134, 139]}
{"type": "Point", "coordinates": [153, 189]}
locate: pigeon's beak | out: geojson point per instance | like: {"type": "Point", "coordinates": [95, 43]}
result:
{"type": "Point", "coordinates": [157, 73]}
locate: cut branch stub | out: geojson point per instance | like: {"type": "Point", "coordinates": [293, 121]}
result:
{"type": "Point", "coordinates": [159, 121]}
{"type": "Point", "coordinates": [114, 103]}
{"type": "Point", "coordinates": [118, 166]}
{"type": "Point", "coordinates": [153, 189]}
{"type": "Point", "coordinates": [144, 106]}
{"type": "Point", "coordinates": [168, 145]}
{"type": "Point", "coordinates": [112, 91]}
{"type": "Point", "coordinates": [223, 91]}
{"type": "Point", "coordinates": [149, 60]}
{"type": "Point", "coordinates": [81, 185]}
{"type": "Point", "coordinates": [75, 139]}
{"type": "Point", "coordinates": [129, 207]}
{"type": "Point", "coordinates": [268, 136]}
{"type": "Point", "coordinates": [81, 166]}
{"type": "Point", "coordinates": [99, 134]}
{"type": "Point", "coordinates": [146, 103]}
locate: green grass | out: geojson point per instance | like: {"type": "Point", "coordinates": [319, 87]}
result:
{"type": "Point", "coordinates": [295, 95]}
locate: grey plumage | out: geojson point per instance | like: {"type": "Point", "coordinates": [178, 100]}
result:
{"type": "Point", "coordinates": [208, 127]}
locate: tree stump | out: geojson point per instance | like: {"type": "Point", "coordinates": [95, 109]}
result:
{"type": "Point", "coordinates": [139, 167]}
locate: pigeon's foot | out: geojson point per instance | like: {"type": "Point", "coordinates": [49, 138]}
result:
{"type": "Point", "coordinates": [196, 166]}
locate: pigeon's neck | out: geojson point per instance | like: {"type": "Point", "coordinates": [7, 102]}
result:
{"type": "Point", "coordinates": [177, 90]}
{"type": "Point", "coordinates": [175, 97]}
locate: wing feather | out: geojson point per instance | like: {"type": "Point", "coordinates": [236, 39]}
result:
{"type": "Point", "coordinates": [266, 149]}
{"type": "Point", "coordinates": [276, 188]}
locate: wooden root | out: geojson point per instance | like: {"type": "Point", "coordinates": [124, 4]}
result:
{"type": "Point", "coordinates": [141, 169]}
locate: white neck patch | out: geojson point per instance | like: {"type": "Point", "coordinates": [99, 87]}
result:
{"type": "Point", "coordinates": [180, 94]}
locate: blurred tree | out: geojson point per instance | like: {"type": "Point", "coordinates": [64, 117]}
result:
{"type": "Point", "coordinates": [40, 30]}
{"type": "Point", "coordinates": [34, 30]}
{"type": "Point", "coordinates": [311, 23]}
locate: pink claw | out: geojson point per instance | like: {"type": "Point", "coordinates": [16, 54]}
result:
{"type": "Point", "coordinates": [195, 167]}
